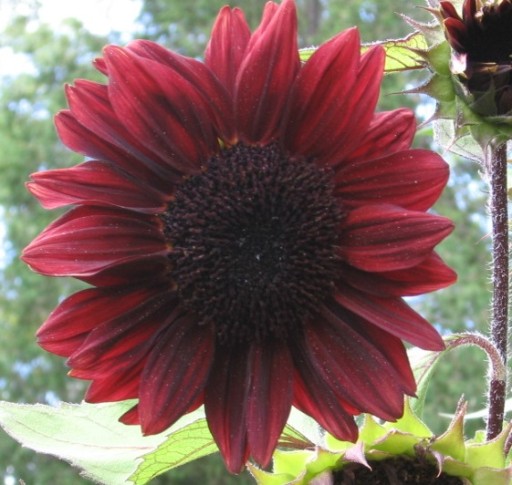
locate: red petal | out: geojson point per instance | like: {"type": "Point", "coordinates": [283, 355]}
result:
{"type": "Point", "coordinates": [94, 183]}
{"type": "Point", "coordinates": [215, 98]}
{"type": "Point", "coordinates": [116, 386]}
{"type": "Point", "coordinates": [87, 240]}
{"type": "Point", "coordinates": [430, 275]}
{"type": "Point", "coordinates": [392, 315]}
{"type": "Point", "coordinates": [226, 398]}
{"type": "Point", "coordinates": [388, 132]}
{"type": "Point", "coordinates": [226, 48]}
{"type": "Point", "coordinates": [161, 108]}
{"type": "Point", "coordinates": [126, 335]}
{"type": "Point", "coordinates": [313, 396]}
{"type": "Point", "coordinates": [393, 350]}
{"type": "Point", "coordinates": [412, 179]}
{"type": "Point", "coordinates": [317, 106]}
{"type": "Point", "coordinates": [359, 109]}
{"type": "Point", "coordinates": [447, 9]}
{"type": "Point", "coordinates": [469, 10]}
{"type": "Point", "coordinates": [68, 326]}
{"type": "Point", "coordinates": [388, 238]}
{"type": "Point", "coordinates": [457, 34]}
{"type": "Point", "coordinates": [131, 416]}
{"type": "Point", "coordinates": [266, 74]}
{"type": "Point", "coordinates": [270, 398]}
{"type": "Point", "coordinates": [90, 106]}
{"type": "Point", "coordinates": [148, 270]}
{"type": "Point", "coordinates": [175, 373]}
{"type": "Point", "coordinates": [353, 368]}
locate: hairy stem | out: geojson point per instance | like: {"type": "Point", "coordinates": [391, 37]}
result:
{"type": "Point", "coordinates": [496, 165]}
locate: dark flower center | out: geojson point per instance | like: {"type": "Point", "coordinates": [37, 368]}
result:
{"type": "Point", "coordinates": [254, 241]}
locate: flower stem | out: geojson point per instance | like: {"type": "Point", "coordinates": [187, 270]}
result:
{"type": "Point", "coordinates": [496, 165]}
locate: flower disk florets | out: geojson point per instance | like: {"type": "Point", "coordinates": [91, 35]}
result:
{"type": "Point", "coordinates": [254, 241]}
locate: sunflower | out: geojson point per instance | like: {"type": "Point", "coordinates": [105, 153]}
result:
{"type": "Point", "coordinates": [248, 226]}
{"type": "Point", "coordinates": [482, 43]}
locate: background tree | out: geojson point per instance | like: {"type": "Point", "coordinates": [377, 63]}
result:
{"type": "Point", "coordinates": [28, 101]}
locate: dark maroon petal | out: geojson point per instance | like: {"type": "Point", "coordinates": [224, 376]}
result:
{"type": "Point", "coordinates": [215, 98]}
{"type": "Point", "coordinates": [457, 34]}
{"type": "Point", "coordinates": [469, 10]}
{"type": "Point", "coordinates": [392, 349]}
{"type": "Point", "coordinates": [124, 337]}
{"type": "Point", "coordinates": [226, 48]}
{"type": "Point", "coordinates": [94, 183]}
{"type": "Point", "coordinates": [68, 326]}
{"type": "Point", "coordinates": [430, 275]}
{"type": "Point", "coordinates": [388, 238]}
{"type": "Point", "coordinates": [266, 75]}
{"type": "Point", "coordinates": [320, 93]}
{"type": "Point", "coordinates": [113, 386]}
{"type": "Point", "coordinates": [161, 108]}
{"type": "Point", "coordinates": [388, 132]}
{"type": "Point", "coordinates": [447, 9]}
{"type": "Point", "coordinates": [147, 270]}
{"type": "Point", "coordinates": [91, 107]}
{"type": "Point", "coordinates": [392, 315]}
{"type": "Point", "coordinates": [313, 396]}
{"type": "Point", "coordinates": [412, 179]}
{"type": "Point", "coordinates": [175, 373]}
{"type": "Point", "coordinates": [131, 416]}
{"type": "Point", "coordinates": [270, 398]}
{"type": "Point", "coordinates": [87, 240]}
{"type": "Point", "coordinates": [226, 401]}
{"type": "Point", "coordinates": [352, 367]}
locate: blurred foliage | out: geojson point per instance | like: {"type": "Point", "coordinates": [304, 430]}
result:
{"type": "Point", "coordinates": [29, 143]}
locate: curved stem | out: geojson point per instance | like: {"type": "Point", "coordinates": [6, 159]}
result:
{"type": "Point", "coordinates": [498, 369]}
{"type": "Point", "coordinates": [496, 165]}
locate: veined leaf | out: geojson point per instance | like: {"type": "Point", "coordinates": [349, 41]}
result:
{"type": "Point", "coordinates": [404, 54]}
{"type": "Point", "coordinates": [88, 436]}
{"type": "Point", "coordinates": [401, 54]}
{"type": "Point", "coordinates": [186, 443]}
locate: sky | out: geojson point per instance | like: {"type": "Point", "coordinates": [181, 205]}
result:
{"type": "Point", "coordinates": [98, 16]}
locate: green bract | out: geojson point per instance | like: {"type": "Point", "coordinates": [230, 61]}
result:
{"type": "Point", "coordinates": [460, 127]}
{"type": "Point", "coordinates": [474, 461]}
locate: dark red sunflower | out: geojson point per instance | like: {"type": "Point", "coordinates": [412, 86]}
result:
{"type": "Point", "coordinates": [482, 42]}
{"type": "Point", "coordinates": [248, 226]}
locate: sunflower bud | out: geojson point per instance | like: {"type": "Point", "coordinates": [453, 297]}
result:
{"type": "Point", "coordinates": [481, 42]}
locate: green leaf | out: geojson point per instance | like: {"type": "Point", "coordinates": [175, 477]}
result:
{"type": "Point", "coordinates": [422, 364]}
{"type": "Point", "coordinates": [291, 463]}
{"type": "Point", "coordinates": [305, 427]}
{"type": "Point", "coordinates": [188, 439]}
{"type": "Point", "coordinates": [266, 478]}
{"type": "Point", "coordinates": [486, 476]}
{"type": "Point", "coordinates": [401, 54]}
{"type": "Point", "coordinates": [409, 423]}
{"type": "Point", "coordinates": [404, 54]}
{"type": "Point", "coordinates": [488, 454]}
{"type": "Point", "coordinates": [88, 436]}
{"type": "Point", "coordinates": [451, 442]}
